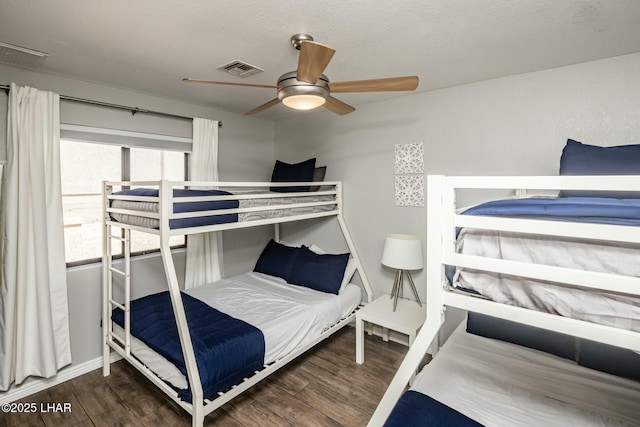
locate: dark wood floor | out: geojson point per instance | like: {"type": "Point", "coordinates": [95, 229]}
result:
{"type": "Point", "coordinates": [324, 387]}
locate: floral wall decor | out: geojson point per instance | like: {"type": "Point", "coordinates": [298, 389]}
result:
{"type": "Point", "coordinates": [409, 158]}
{"type": "Point", "coordinates": [409, 174]}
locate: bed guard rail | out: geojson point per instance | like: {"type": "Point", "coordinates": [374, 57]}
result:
{"type": "Point", "coordinates": [257, 204]}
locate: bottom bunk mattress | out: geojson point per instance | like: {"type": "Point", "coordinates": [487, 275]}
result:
{"type": "Point", "coordinates": [497, 383]}
{"type": "Point", "coordinates": [287, 316]}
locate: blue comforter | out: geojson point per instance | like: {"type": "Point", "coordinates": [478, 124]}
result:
{"type": "Point", "coordinates": [580, 209]}
{"type": "Point", "coordinates": [417, 409]}
{"type": "Point", "coordinates": [180, 207]}
{"type": "Point", "coordinates": [226, 349]}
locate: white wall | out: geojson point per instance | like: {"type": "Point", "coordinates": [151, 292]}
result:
{"type": "Point", "coordinates": [515, 125]}
{"type": "Point", "coordinates": [246, 153]}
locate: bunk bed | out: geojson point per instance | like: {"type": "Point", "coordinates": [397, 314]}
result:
{"type": "Point", "coordinates": [206, 345]}
{"type": "Point", "coordinates": [581, 311]}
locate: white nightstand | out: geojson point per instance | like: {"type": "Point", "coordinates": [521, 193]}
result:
{"type": "Point", "coordinates": [407, 319]}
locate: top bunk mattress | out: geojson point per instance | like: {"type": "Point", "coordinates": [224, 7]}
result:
{"type": "Point", "coordinates": [276, 201]}
{"type": "Point", "coordinates": [498, 383]}
{"type": "Point", "coordinates": [605, 308]}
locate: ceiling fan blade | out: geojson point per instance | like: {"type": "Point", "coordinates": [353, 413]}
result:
{"type": "Point", "coordinates": [262, 107]}
{"type": "Point", "coordinates": [338, 106]}
{"type": "Point", "coordinates": [376, 85]}
{"type": "Point", "coordinates": [314, 58]}
{"type": "Point", "coordinates": [215, 82]}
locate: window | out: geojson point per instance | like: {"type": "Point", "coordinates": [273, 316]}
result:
{"type": "Point", "coordinates": [85, 164]}
{"type": "Point", "coordinates": [150, 165]}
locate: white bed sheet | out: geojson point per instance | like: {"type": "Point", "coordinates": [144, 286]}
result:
{"type": "Point", "coordinates": [289, 316]}
{"type": "Point", "coordinates": [502, 384]}
{"type": "Point", "coordinates": [605, 308]}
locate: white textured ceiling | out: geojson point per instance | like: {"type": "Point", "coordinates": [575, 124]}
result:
{"type": "Point", "coordinates": [150, 45]}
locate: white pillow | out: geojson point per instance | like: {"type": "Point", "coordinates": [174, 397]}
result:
{"type": "Point", "coordinates": [349, 271]}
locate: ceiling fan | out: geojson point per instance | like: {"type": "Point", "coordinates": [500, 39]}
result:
{"type": "Point", "coordinates": [308, 88]}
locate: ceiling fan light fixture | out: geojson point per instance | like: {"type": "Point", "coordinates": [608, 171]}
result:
{"type": "Point", "coordinates": [300, 95]}
{"type": "Point", "coordinates": [303, 102]}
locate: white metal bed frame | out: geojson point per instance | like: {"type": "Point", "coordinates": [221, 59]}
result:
{"type": "Point", "coordinates": [200, 407]}
{"type": "Point", "coordinates": [442, 220]}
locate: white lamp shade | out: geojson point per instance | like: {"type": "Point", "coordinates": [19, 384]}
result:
{"type": "Point", "coordinates": [403, 252]}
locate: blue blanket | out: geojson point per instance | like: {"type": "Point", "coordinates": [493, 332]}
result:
{"type": "Point", "coordinates": [417, 409]}
{"type": "Point", "coordinates": [226, 349]}
{"type": "Point", "coordinates": [180, 207]}
{"type": "Point", "coordinates": [579, 209]}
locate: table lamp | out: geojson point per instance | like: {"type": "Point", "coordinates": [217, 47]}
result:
{"type": "Point", "coordinates": [402, 252]}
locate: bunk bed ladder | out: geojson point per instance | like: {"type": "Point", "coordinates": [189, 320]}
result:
{"type": "Point", "coordinates": [109, 302]}
{"type": "Point", "coordinates": [106, 281]}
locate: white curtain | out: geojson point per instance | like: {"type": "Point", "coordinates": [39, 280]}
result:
{"type": "Point", "coordinates": [204, 251]}
{"type": "Point", "coordinates": [34, 325]}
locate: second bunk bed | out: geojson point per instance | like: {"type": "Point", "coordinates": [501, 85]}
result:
{"type": "Point", "coordinates": [552, 289]}
{"type": "Point", "coordinates": [208, 344]}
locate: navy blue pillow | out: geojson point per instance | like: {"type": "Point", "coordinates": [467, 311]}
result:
{"type": "Point", "coordinates": [582, 159]}
{"type": "Point", "coordinates": [525, 335]}
{"type": "Point", "coordinates": [322, 272]}
{"type": "Point", "coordinates": [277, 260]}
{"type": "Point", "coordinates": [607, 358]}
{"type": "Point", "coordinates": [297, 172]}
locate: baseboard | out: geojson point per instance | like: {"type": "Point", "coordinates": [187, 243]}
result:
{"type": "Point", "coordinates": [35, 385]}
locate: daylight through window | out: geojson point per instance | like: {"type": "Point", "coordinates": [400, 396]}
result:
{"type": "Point", "coordinates": [84, 166]}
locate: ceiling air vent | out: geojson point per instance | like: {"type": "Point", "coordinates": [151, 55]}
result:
{"type": "Point", "coordinates": [240, 69]}
{"type": "Point", "coordinates": [21, 56]}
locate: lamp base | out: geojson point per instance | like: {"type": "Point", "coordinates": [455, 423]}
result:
{"type": "Point", "coordinates": [398, 287]}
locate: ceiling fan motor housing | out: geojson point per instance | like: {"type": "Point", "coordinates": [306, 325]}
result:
{"type": "Point", "coordinates": [297, 39]}
{"type": "Point", "coordinates": [289, 85]}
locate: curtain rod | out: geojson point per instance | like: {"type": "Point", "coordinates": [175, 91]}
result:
{"type": "Point", "coordinates": [133, 110]}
